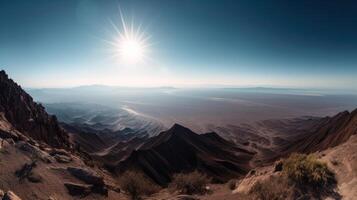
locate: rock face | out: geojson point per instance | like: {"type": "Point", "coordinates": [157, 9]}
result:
{"type": "Point", "coordinates": [28, 117]}
{"type": "Point", "coordinates": [329, 132]}
{"type": "Point", "coordinates": [77, 189]}
{"type": "Point", "coordinates": [86, 175]}
{"type": "Point", "coordinates": [95, 181]}
{"type": "Point", "coordinates": [181, 150]}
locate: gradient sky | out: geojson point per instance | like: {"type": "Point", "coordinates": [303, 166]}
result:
{"type": "Point", "coordinates": [305, 44]}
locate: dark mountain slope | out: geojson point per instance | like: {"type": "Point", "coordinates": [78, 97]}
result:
{"type": "Point", "coordinates": [328, 132]}
{"type": "Point", "coordinates": [28, 117]}
{"type": "Point", "coordinates": [179, 149]}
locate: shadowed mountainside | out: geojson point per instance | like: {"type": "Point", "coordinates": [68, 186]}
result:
{"type": "Point", "coordinates": [328, 132]}
{"type": "Point", "coordinates": [179, 149]}
{"type": "Point", "coordinates": [27, 116]}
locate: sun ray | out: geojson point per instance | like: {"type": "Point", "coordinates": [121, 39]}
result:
{"type": "Point", "coordinates": [131, 42]}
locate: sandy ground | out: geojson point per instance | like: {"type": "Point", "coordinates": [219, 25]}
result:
{"type": "Point", "coordinates": [343, 161]}
{"type": "Point", "coordinates": [54, 175]}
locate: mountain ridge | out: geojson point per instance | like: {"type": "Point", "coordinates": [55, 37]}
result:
{"type": "Point", "coordinates": [27, 116]}
{"type": "Point", "coordinates": [180, 149]}
{"type": "Point", "coordinates": [329, 132]}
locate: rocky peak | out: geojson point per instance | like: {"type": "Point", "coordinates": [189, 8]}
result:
{"type": "Point", "coordinates": [27, 116]}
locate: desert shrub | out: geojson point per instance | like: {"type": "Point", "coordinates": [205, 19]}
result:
{"type": "Point", "coordinates": [303, 176]}
{"type": "Point", "coordinates": [190, 183]}
{"type": "Point", "coordinates": [137, 185]}
{"type": "Point", "coordinates": [274, 188]}
{"type": "Point", "coordinates": [306, 169]}
{"type": "Point", "coordinates": [232, 184]}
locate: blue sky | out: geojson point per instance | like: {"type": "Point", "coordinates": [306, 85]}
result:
{"type": "Point", "coordinates": [305, 44]}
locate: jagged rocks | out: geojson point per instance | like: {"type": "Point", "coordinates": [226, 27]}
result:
{"type": "Point", "coordinates": [61, 155]}
{"type": "Point", "coordinates": [78, 189]}
{"type": "Point", "coordinates": [9, 195]}
{"type": "Point", "coordinates": [34, 151]}
{"type": "Point", "coordinates": [62, 152]}
{"type": "Point", "coordinates": [63, 159]}
{"type": "Point", "coordinates": [86, 175]}
{"type": "Point", "coordinates": [28, 117]}
{"type": "Point", "coordinates": [95, 181]}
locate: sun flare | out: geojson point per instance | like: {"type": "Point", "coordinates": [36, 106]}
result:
{"type": "Point", "coordinates": [131, 50]}
{"type": "Point", "coordinates": [130, 43]}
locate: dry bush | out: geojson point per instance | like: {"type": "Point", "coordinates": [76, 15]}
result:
{"type": "Point", "coordinates": [307, 170]}
{"type": "Point", "coordinates": [190, 183]}
{"type": "Point", "coordinates": [137, 185]}
{"type": "Point", "coordinates": [232, 184]}
{"type": "Point", "coordinates": [274, 188]}
{"type": "Point", "coordinates": [303, 176]}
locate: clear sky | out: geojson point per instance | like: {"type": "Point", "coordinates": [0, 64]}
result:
{"type": "Point", "coordinates": [64, 43]}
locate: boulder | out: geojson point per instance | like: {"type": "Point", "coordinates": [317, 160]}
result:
{"type": "Point", "coordinates": [63, 158]}
{"type": "Point", "coordinates": [78, 189]}
{"type": "Point", "coordinates": [9, 195]}
{"type": "Point", "coordinates": [86, 175]}
{"type": "Point", "coordinates": [59, 152]}
{"type": "Point", "coordinates": [34, 151]}
{"type": "Point", "coordinates": [34, 178]}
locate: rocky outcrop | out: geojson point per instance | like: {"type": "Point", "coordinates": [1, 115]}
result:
{"type": "Point", "coordinates": [34, 151]}
{"type": "Point", "coordinates": [94, 181]}
{"type": "Point", "coordinates": [9, 195]}
{"type": "Point", "coordinates": [28, 117]}
{"type": "Point", "coordinates": [62, 158]}
{"type": "Point", "coordinates": [86, 175]}
{"type": "Point", "coordinates": [78, 189]}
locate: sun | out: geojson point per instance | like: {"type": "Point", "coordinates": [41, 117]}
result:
{"type": "Point", "coordinates": [131, 50]}
{"type": "Point", "coordinates": [130, 44]}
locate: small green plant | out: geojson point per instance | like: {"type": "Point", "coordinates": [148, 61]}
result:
{"type": "Point", "coordinates": [190, 183]}
{"type": "Point", "coordinates": [137, 185]}
{"type": "Point", "coordinates": [306, 169]}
